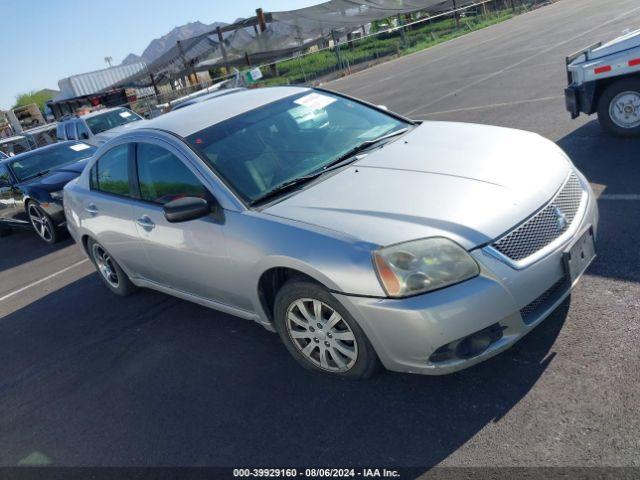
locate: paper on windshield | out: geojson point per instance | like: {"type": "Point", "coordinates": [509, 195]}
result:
{"type": "Point", "coordinates": [79, 147]}
{"type": "Point", "coordinates": [125, 114]}
{"type": "Point", "coordinates": [315, 101]}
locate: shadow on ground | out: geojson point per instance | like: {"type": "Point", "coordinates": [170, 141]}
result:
{"type": "Point", "coordinates": [606, 160]}
{"type": "Point", "coordinates": [87, 378]}
{"type": "Point", "coordinates": [615, 164]}
{"type": "Point", "coordinates": [22, 246]}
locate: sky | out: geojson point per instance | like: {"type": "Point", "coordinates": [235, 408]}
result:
{"type": "Point", "coordinates": [42, 41]}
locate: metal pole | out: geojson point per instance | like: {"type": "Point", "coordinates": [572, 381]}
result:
{"type": "Point", "coordinates": [223, 50]}
{"type": "Point", "coordinates": [186, 64]}
{"type": "Point", "coordinates": [455, 14]}
{"type": "Point", "coordinates": [337, 48]}
{"type": "Point", "coordinates": [153, 82]}
{"type": "Point", "coordinates": [262, 23]}
{"type": "Point", "coordinates": [403, 37]}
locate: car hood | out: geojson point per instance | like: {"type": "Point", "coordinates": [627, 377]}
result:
{"type": "Point", "coordinates": [58, 178]}
{"type": "Point", "coordinates": [470, 183]}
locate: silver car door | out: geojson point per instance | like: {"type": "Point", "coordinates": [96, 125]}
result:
{"type": "Point", "coordinates": [189, 256]}
{"type": "Point", "coordinates": [108, 208]}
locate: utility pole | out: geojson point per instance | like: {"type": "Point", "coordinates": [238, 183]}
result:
{"type": "Point", "coordinates": [108, 60]}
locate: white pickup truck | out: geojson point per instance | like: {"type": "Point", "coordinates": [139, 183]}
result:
{"type": "Point", "coordinates": [605, 79]}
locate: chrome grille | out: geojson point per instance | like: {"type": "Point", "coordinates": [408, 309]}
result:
{"type": "Point", "coordinates": [546, 225]}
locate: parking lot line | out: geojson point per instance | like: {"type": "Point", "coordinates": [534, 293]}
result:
{"type": "Point", "coordinates": [522, 61]}
{"type": "Point", "coordinates": [496, 105]}
{"type": "Point", "coordinates": [42, 280]}
{"type": "Point", "coordinates": [620, 196]}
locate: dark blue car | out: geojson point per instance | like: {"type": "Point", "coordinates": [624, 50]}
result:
{"type": "Point", "coordinates": [31, 187]}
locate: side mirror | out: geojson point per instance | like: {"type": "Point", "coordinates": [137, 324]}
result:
{"type": "Point", "coordinates": [84, 136]}
{"type": "Point", "coordinates": [185, 209]}
{"type": "Point", "coordinates": [382, 107]}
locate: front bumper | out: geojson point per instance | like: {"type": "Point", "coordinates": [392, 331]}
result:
{"type": "Point", "coordinates": [407, 332]}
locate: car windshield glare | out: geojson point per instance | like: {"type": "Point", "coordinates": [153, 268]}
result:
{"type": "Point", "coordinates": [111, 119]}
{"type": "Point", "coordinates": [36, 162]}
{"type": "Point", "coordinates": [287, 139]}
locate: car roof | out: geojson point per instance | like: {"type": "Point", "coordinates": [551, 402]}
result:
{"type": "Point", "coordinates": [203, 97]}
{"type": "Point", "coordinates": [53, 146]}
{"type": "Point", "coordinates": [186, 121]}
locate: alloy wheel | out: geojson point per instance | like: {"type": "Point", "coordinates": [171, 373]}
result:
{"type": "Point", "coordinates": [105, 265]}
{"type": "Point", "coordinates": [624, 109]}
{"type": "Point", "coordinates": [40, 222]}
{"type": "Point", "coordinates": [321, 335]}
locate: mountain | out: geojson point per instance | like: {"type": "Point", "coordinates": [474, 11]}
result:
{"type": "Point", "coordinates": [160, 45]}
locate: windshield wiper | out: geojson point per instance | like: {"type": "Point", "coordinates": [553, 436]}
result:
{"type": "Point", "coordinates": [36, 175]}
{"type": "Point", "coordinates": [341, 160]}
{"type": "Point", "coordinates": [288, 185]}
{"type": "Point", "coordinates": [337, 163]}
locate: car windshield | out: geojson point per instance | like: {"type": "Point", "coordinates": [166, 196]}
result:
{"type": "Point", "coordinates": [259, 150]}
{"type": "Point", "coordinates": [111, 119]}
{"type": "Point", "coordinates": [38, 162]}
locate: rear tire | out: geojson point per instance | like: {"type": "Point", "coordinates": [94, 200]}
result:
{"type": "Point", "coordinates": [619, 108]}
{"type": "Point", "coordinates": [109, 271]}
{"type": "Point", "coordinates": [320, 333]}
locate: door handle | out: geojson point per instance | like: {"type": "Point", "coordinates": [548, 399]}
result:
{"type": "Point", "coordinates": [146, 223]}
{"type": "Point", "coordinates": [92, 209]}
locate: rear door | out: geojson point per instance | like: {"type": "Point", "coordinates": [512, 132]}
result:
{"type": "Point", "coordinates": [190, 256]}
{"type": "Point", "coordinates": [109, 208]}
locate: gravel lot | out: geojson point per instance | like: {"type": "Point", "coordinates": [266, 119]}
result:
{"type": "Point", "coordinates": [87, 378]}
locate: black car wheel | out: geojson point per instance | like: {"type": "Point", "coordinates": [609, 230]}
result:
{"type": "Point", "coordinates": [42, 223]}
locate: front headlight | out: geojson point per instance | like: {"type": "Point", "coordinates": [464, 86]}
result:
{"type": "Point", "coordinates": [56, 195]}
{"type": "Point", "coordinates": [423, 265]}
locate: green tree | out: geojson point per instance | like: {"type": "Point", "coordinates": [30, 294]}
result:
{"type": "Point", "coordinates": [39, 98]}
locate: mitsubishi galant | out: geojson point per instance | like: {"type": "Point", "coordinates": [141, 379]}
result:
{"type": "Point", "coordinates": [359, 236]}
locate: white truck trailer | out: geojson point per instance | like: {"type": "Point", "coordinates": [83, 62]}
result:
{"type": "Point", "coordinates": [605, 79]}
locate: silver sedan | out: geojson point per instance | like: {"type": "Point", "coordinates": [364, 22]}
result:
{"type": "Point", "coordinates": [361, 237]}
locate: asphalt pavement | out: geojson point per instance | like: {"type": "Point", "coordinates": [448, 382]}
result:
{"type": "Point", "coordinates": [89, 378]}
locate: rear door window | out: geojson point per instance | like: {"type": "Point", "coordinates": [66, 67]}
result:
{"type": "Point", "coordinates": [110, 174]}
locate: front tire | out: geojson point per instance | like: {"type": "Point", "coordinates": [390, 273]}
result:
{"type": "Point", "coordinates": [619, 108]}
{"type": "Point", "coordinates": [110, 272]}
{"type": "Point", "coordinates": [42, 224]}
{"type": "Point", "coordinates": [320, 333]}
